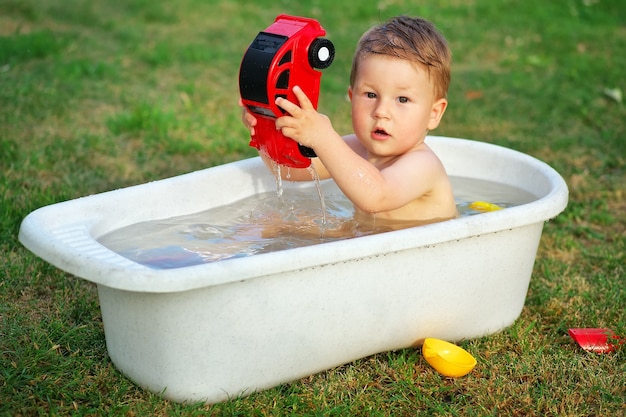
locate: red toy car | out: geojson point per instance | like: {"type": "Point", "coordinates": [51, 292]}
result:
{"type": "Point", "coordinates": [288, 53]}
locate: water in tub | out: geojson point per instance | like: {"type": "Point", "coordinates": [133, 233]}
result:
{"type": "Point", "coordinates": [273, 221]}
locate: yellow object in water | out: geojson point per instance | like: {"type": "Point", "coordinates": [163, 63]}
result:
{"type": "Point", "coordinates": [484, 207]}
{"type": "Point", "coordinates": [448, 359]}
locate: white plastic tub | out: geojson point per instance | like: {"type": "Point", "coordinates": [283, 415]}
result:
{"type": "Point", "coordinates": [220, 330]}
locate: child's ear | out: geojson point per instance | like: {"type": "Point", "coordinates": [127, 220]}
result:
{"type": "Point", "coordinates": [436, 113]}
{"type": "Point", "coordinates": [350, 93]}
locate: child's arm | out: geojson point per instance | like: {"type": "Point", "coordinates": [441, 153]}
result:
{"type": "Point", "coordinates": [398, 183]}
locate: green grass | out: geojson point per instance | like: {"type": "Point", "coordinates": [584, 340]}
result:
{"type": "Point", "coordinates": [99, 95]}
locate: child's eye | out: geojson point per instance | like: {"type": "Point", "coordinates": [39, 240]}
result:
{"type": "Point", "coordinates": [370, 95]}
{"type": "Point", "coordinates": [403, 99]}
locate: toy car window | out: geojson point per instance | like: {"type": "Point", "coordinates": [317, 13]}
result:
{"type": "Point", "coordinates": [285, 59]}
{"type": "Point", "coordinates": [268, 42]}
{"type": "Point", "coordinates": [255, 66]}
{"type": "Point", "coordinates": [283, 80]}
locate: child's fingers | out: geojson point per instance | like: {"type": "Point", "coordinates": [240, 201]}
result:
{"type": "Point", "coordinates": [283, 122]}
{"type": "Point", "coordinates": [304, 101]}
{"type": "Point", "coordinates": [249, 121]}
{"type": "Point", "coordinates": [292, 108]}
{"type": "Point", "coordinates": [288, 106]}
{"type": "Point", "coordinates": [288, 126]}
{"type": "Point", "coordinates": [246, 116]}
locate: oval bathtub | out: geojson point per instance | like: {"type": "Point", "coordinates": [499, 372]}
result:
{"type": "Point", "coordinates": [224, 329]}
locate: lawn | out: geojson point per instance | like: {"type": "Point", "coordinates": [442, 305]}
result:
{"type": "Point", "coordinates": [96, 96]}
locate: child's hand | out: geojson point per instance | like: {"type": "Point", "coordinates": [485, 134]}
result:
{"type": "Point", "coordinates": [303, 124]}
{"type": "Point", "coordinates": [247, 118]}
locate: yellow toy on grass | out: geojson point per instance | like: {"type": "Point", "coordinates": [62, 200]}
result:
{"type": "Point", "coordinates": [448, 359]}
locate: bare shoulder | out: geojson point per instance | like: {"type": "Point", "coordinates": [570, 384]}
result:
{"type": "Point", "coordinates": [420, 160]}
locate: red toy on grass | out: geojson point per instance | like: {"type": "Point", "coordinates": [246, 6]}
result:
{"type": "Point", "coordinates": [599, 340]}
{"type": "Point", "coordinates": [288, 53]}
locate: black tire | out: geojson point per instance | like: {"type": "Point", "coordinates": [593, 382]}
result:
{"type": "Point", "coordinates": [306, 151]}
{"type": "Point", "coordinates": [321, 53]}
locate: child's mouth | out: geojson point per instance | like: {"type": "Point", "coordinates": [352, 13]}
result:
{"type": "Point", "coordinates": [380, 134]}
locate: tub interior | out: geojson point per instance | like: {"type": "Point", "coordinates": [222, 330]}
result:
{"type": "Point", "coordinates": [251, 177]}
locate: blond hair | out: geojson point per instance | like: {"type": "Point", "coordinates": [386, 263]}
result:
{"type": "Point", "coordinates": [413, 39]}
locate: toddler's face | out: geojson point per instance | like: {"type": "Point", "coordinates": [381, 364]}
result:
{"type": "Point", "coordinates": [393, 105]}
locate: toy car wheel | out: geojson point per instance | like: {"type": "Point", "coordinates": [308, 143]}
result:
{"type": "Point", "coordinates": [321, 53]}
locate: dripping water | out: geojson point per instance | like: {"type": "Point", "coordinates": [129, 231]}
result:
{"type": "Point", "coordinates": [320, 193]}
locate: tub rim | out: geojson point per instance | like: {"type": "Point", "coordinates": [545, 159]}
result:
{"type": "Point", "coordinates": [105, 267]}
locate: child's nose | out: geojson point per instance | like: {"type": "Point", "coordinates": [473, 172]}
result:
{"type": "Point", "coordinates": [381, 111]}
